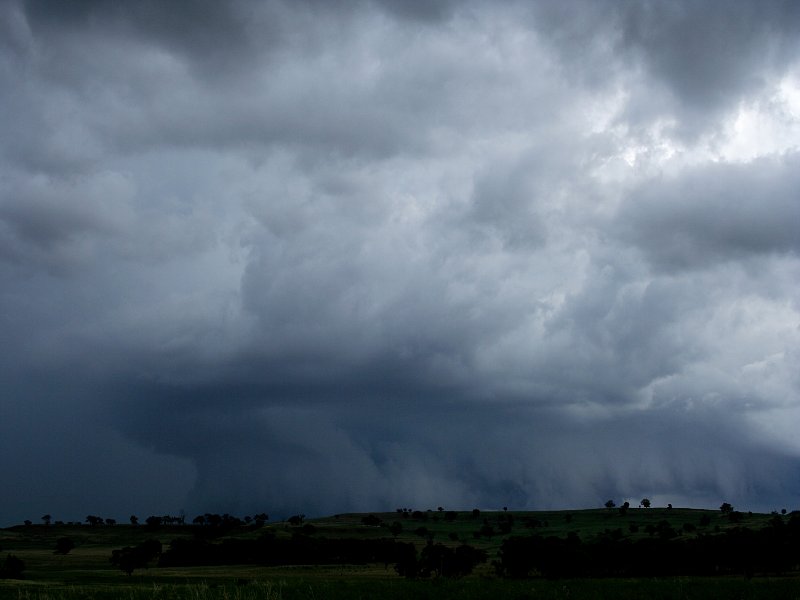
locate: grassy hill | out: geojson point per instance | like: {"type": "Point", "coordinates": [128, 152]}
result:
{"type": "Point", "coordinates": [86, 571]}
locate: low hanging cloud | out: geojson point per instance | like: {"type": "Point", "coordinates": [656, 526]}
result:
{"type": "Point", "coordinates": [297, 257]}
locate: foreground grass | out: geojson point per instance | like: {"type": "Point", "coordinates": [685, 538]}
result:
{"type": "Point", "coordinates": [397, 589]}
{"type": "Point", "coordinates": [85, 573]}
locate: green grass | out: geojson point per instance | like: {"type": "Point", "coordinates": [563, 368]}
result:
{"type": "Point", "coordinates": [313, 588]}
{"type": "Point", "coordinates": [86, 572]}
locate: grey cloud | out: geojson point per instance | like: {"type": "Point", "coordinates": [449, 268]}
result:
{"type": "Point", "coordinates": [688, 61]}
{"type": "Point", "coordinates": [382, 255]}
{"type": "Point", "coordinates": [716, 213]}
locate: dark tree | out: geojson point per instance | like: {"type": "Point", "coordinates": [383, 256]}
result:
{"type": "Point", "coordinates": [296, 520]}
{"type": "Point", "coordinates": [476, 513]}
{"type": "Point", "coordinates": [610, 504]}
{"type": "Point", "coordinates": [46, 519]}
{"type": "Point", "coordinates": [136, 557]}
{"type": "Point", "coordinates": [64, 545]}
{"type": "Point", "coordinates": [111, 522]}
{"type": "Point", "coordinates": [153, 522]}
{"type": "Point", "coordinates": [134, 520]}
{"type": "Point", "coordinates": [395, 528]}
{"type": "Point", "coordinates": [28, 522]}
{"type": "Point", "coordinates": [12, 568]}
{"type": "Point", "coordinates": [645, 502]}
{"type": "Point", "coordinates": [726, 508]}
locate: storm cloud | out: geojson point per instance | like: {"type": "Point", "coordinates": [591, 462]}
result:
{"type": "Point", "coordinates": [318, 257]}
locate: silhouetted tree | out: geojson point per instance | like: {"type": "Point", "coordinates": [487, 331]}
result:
{"type": "Point", "coordinates": [64, 545]}
{"type": "Point", "coordinates": [153, 522]}
{"type": "Point", "coordinates": [610, 504]}
{"type": "Point", "coordinates": [726, 508]}
{"type": "Point", "coordinates": [645, 502]}
{"type": "Point", "coordinates": [12, 568]}
{"type": "Point", "coordinates": [134, 520]}
{"type": "Point", "coordinates": [296, 520]}
{"type": "Point", "coordinates": [136, 557]}
{"type": "Point", "coordinates": [46, 519]}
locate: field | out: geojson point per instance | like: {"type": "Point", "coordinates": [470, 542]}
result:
{"type": "Point", "coordinates": [87, 572]}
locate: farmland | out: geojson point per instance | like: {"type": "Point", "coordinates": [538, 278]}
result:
{"type": "Point", "coordinates": [353, 556]}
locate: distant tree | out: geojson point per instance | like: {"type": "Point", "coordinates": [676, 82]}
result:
{"type": "Point", "coordinates": [505, 509]}
{"type": "Point", "coordinates": [610, 504]}
{"type": "Point", "coordinates": [64, 545]}
{"type": "Point", "coordinates": [645, 502]}
{"type": "Point", "coordinates": [136, 557]}
{"type": "Point", "coordinates": [726, 508]}
{"type": "Point", "coordinates": [440, 508]}
{"type": "Point", "coordinates": [46, 519]}
{"type": "Point", "coordinates": [111, 521]}
{"type": "Point", "coordinates": [623, 510]}
{"type": "Point", "coordinates": [783, 511]}
{"type": "Point", "coordinates": [735, 516]}
{"type": "Point", "coordinates": [669, 506]}
{"type": "Point", "coordinates": [371, 520]}
{"type": "Point", "coordinates": [476, 513]}
{"type": "Point", "coordinates": [153, 522]}
{"type": "Point", "coordinates": [296, 520]}
{"type": "Point", "coordinates": [134, 520]}
{"type": "Point", "coordinates": [94, 520]}
{"type": "Point", "coordinates": [395, 528]}
{"type": "Point", "coordinates": [12, 568]}
{"type": "Point", "coordinates": [28, 522]}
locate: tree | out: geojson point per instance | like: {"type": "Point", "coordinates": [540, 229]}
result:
{"type": "Point", "coordinates": [12, 568]}
{"type": "Point", "coordinates": [645, 502]}
{"type": "Point", "coordinates": [134, 520]}
{"type": "Point", "coordinates": [136, 557]}
{"type": "Point", "coordinates": [726, 508]}
{"type": "Point", "coordinates": [610, 504]}
{"type": "Point", "coordinates": [46, 519]}
{"type": "Point", "coordinates": [153, 522]}
{"type": "Point", "coordinates": [64, 545]}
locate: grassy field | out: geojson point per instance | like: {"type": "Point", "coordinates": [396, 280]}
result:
{"type": "Point", "coordinates": [86, 571]}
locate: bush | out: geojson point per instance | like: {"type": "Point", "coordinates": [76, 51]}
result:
{"type": "Point", "coordinates": [12, 568]}
{"type": "Point", "coordinates": [64, 545]}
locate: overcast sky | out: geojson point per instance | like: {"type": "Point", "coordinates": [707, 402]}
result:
{"type": "Point", "coordinates": [310, 256]}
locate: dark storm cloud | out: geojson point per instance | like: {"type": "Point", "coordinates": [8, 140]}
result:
{"type": "Point", "coordinates": [721, 212]}
{"type": "Point", "coordinates": [698, 59]}
{"type": "Point", "coordinates": [315, 257]}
